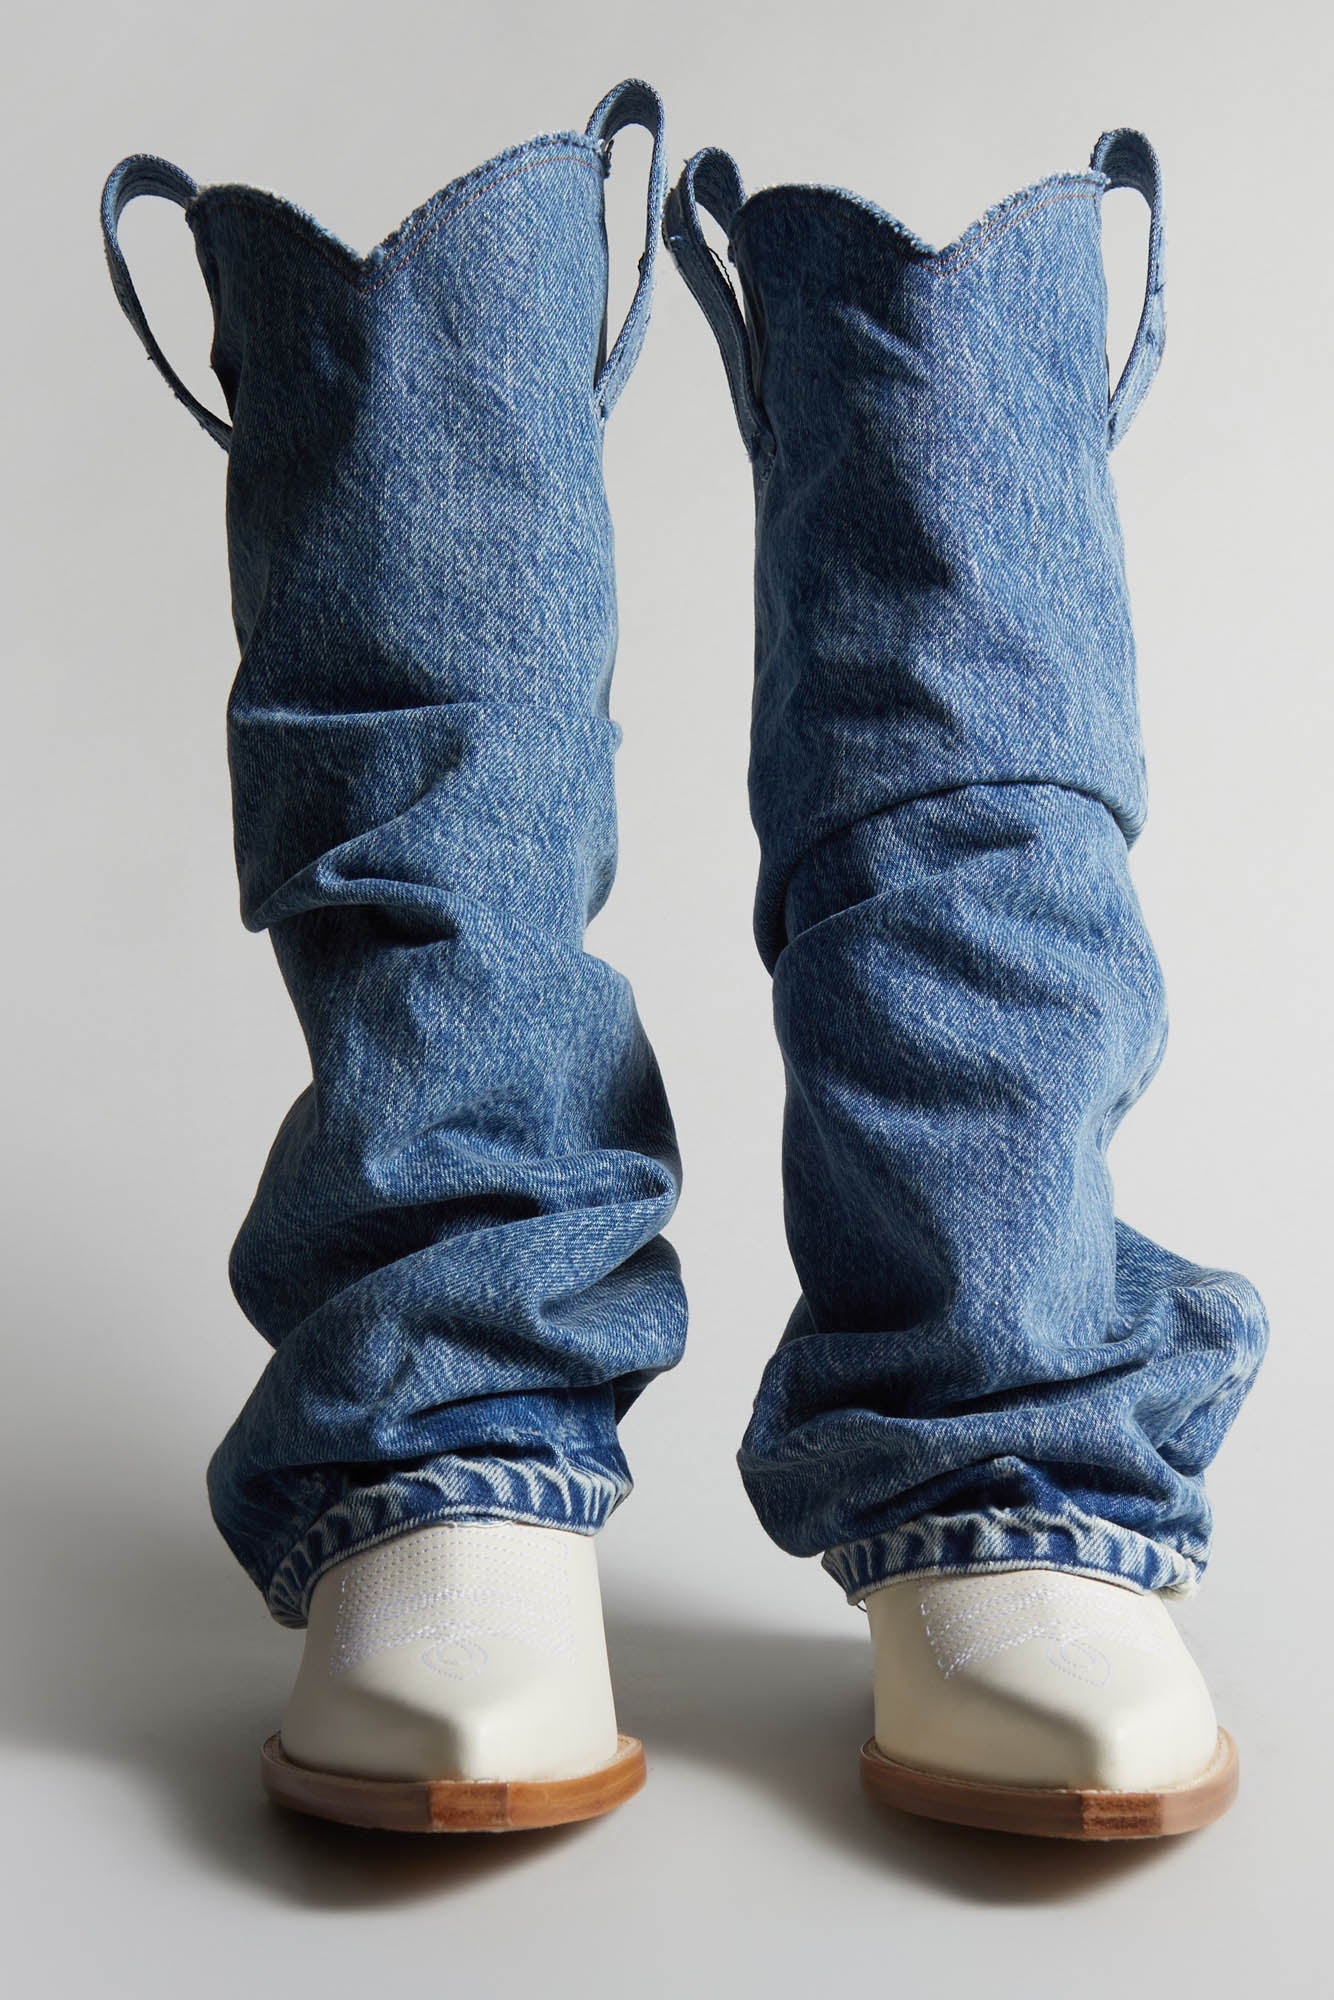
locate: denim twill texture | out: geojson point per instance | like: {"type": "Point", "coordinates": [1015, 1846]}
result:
{"type": "Point", "coordinates": [984, 1368]}
{"type": "Point", "coordinates": [455, 1247]}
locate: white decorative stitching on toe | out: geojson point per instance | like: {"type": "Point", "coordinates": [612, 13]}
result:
{"type": "Point", "coordinates": [459, 1659]}
{"type": "Point", "coordinates": [967, 1623]}
{"type": "Point", "coordinates": [1075, 1656]}
{"type": "Point", "coordinates": [449, 1595]}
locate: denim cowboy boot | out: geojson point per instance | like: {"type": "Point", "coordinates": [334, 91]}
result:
{"type": "Point", "coordinates": [455, 1247]}
{"type": "Point", "coordinates": [988, 1382]}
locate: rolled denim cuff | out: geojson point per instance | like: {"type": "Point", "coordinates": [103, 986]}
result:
{"type": "Point", "coordinates": [561, 1495]}
{"type": "Point", "coordinates": [995, 1539]}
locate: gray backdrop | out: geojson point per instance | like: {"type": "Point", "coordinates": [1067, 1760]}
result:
{"type": "Point", "coordinates": [150, 1051]}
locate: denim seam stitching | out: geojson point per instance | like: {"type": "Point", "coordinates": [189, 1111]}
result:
{"type": "Point", "coordinates": [957, 256]}
{"type": "Point", "coordinates": [366, 285]}
{"type": "Point", "coordinates": [949, 268]}
{"type": "Point", "coordinates": [1001, 1567]}
{"type": "Point", "coordinates": [1136, 1537]}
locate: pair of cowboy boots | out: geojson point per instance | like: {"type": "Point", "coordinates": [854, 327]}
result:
{"type": "Point", "coordinates": [992, 1408]}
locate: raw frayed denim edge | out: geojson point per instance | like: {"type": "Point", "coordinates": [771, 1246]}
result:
{"type": "Point", "coordinates": [488, 1490]}
{"type": "Point", "coordinates": [965, 1544]}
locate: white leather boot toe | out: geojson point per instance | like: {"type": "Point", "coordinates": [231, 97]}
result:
{"type": "Point", "coordinates": [1041, 1701]}
{"type": "Point", "coordinates": [456, 1678]}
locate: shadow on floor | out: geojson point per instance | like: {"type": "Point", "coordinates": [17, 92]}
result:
{"type": "Point", "coordinates": [141, 1645]}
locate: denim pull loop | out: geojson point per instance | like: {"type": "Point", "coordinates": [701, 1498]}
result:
{"type": "Point", "coordinates": [632, 103]}
{"type": "Point", "coordinates": [144, 173]}
{"type": "Point", "coordinates": [1129, 161]}
{"type": "Point", "coordinates": [712, 180]}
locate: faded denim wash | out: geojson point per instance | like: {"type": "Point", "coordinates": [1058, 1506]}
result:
{"type": "Point", "coordinates": [455, 1247]}
{"type": "Point", "coordinates": [985, 1368]}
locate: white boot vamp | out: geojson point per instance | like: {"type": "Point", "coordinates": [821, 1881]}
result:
{"type": "Point", "coordinates": [467, 1650]}
{"type": "Point", "coordinates": [1037, 1678]}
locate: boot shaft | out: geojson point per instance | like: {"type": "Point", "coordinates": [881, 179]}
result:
{"type": "Point", "coordinates": [415, 435]}
{"type": "Point", "coordinates": [455, 1244]}
{"type": "Point", "coordinates": [940, 587]}
{"type": "Point", "coordinates": [417, 522]}
{"type": "Point", "coordinates": [415, 505]}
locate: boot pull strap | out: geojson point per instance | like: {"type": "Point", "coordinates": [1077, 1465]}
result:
{"type": "Point", "coordinates": [143, 173]}
{"type": "Point", "coordinates": [712, 181]}
{"type": "Point", "coordinates": [632, 103]}
{"type": "Point", "coordinates": [1129, 161]}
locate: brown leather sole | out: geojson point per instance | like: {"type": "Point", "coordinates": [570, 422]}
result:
{"type": "Point", "coordinates": [452, 1805]}
{"type": "Point", "coordinates": [1054, 1814]}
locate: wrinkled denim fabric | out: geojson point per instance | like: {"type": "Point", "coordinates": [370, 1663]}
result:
{"type": "Point", "coordinates": [985, 1368]}
{"type": "Point", "coordinates": [455, 1247]}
